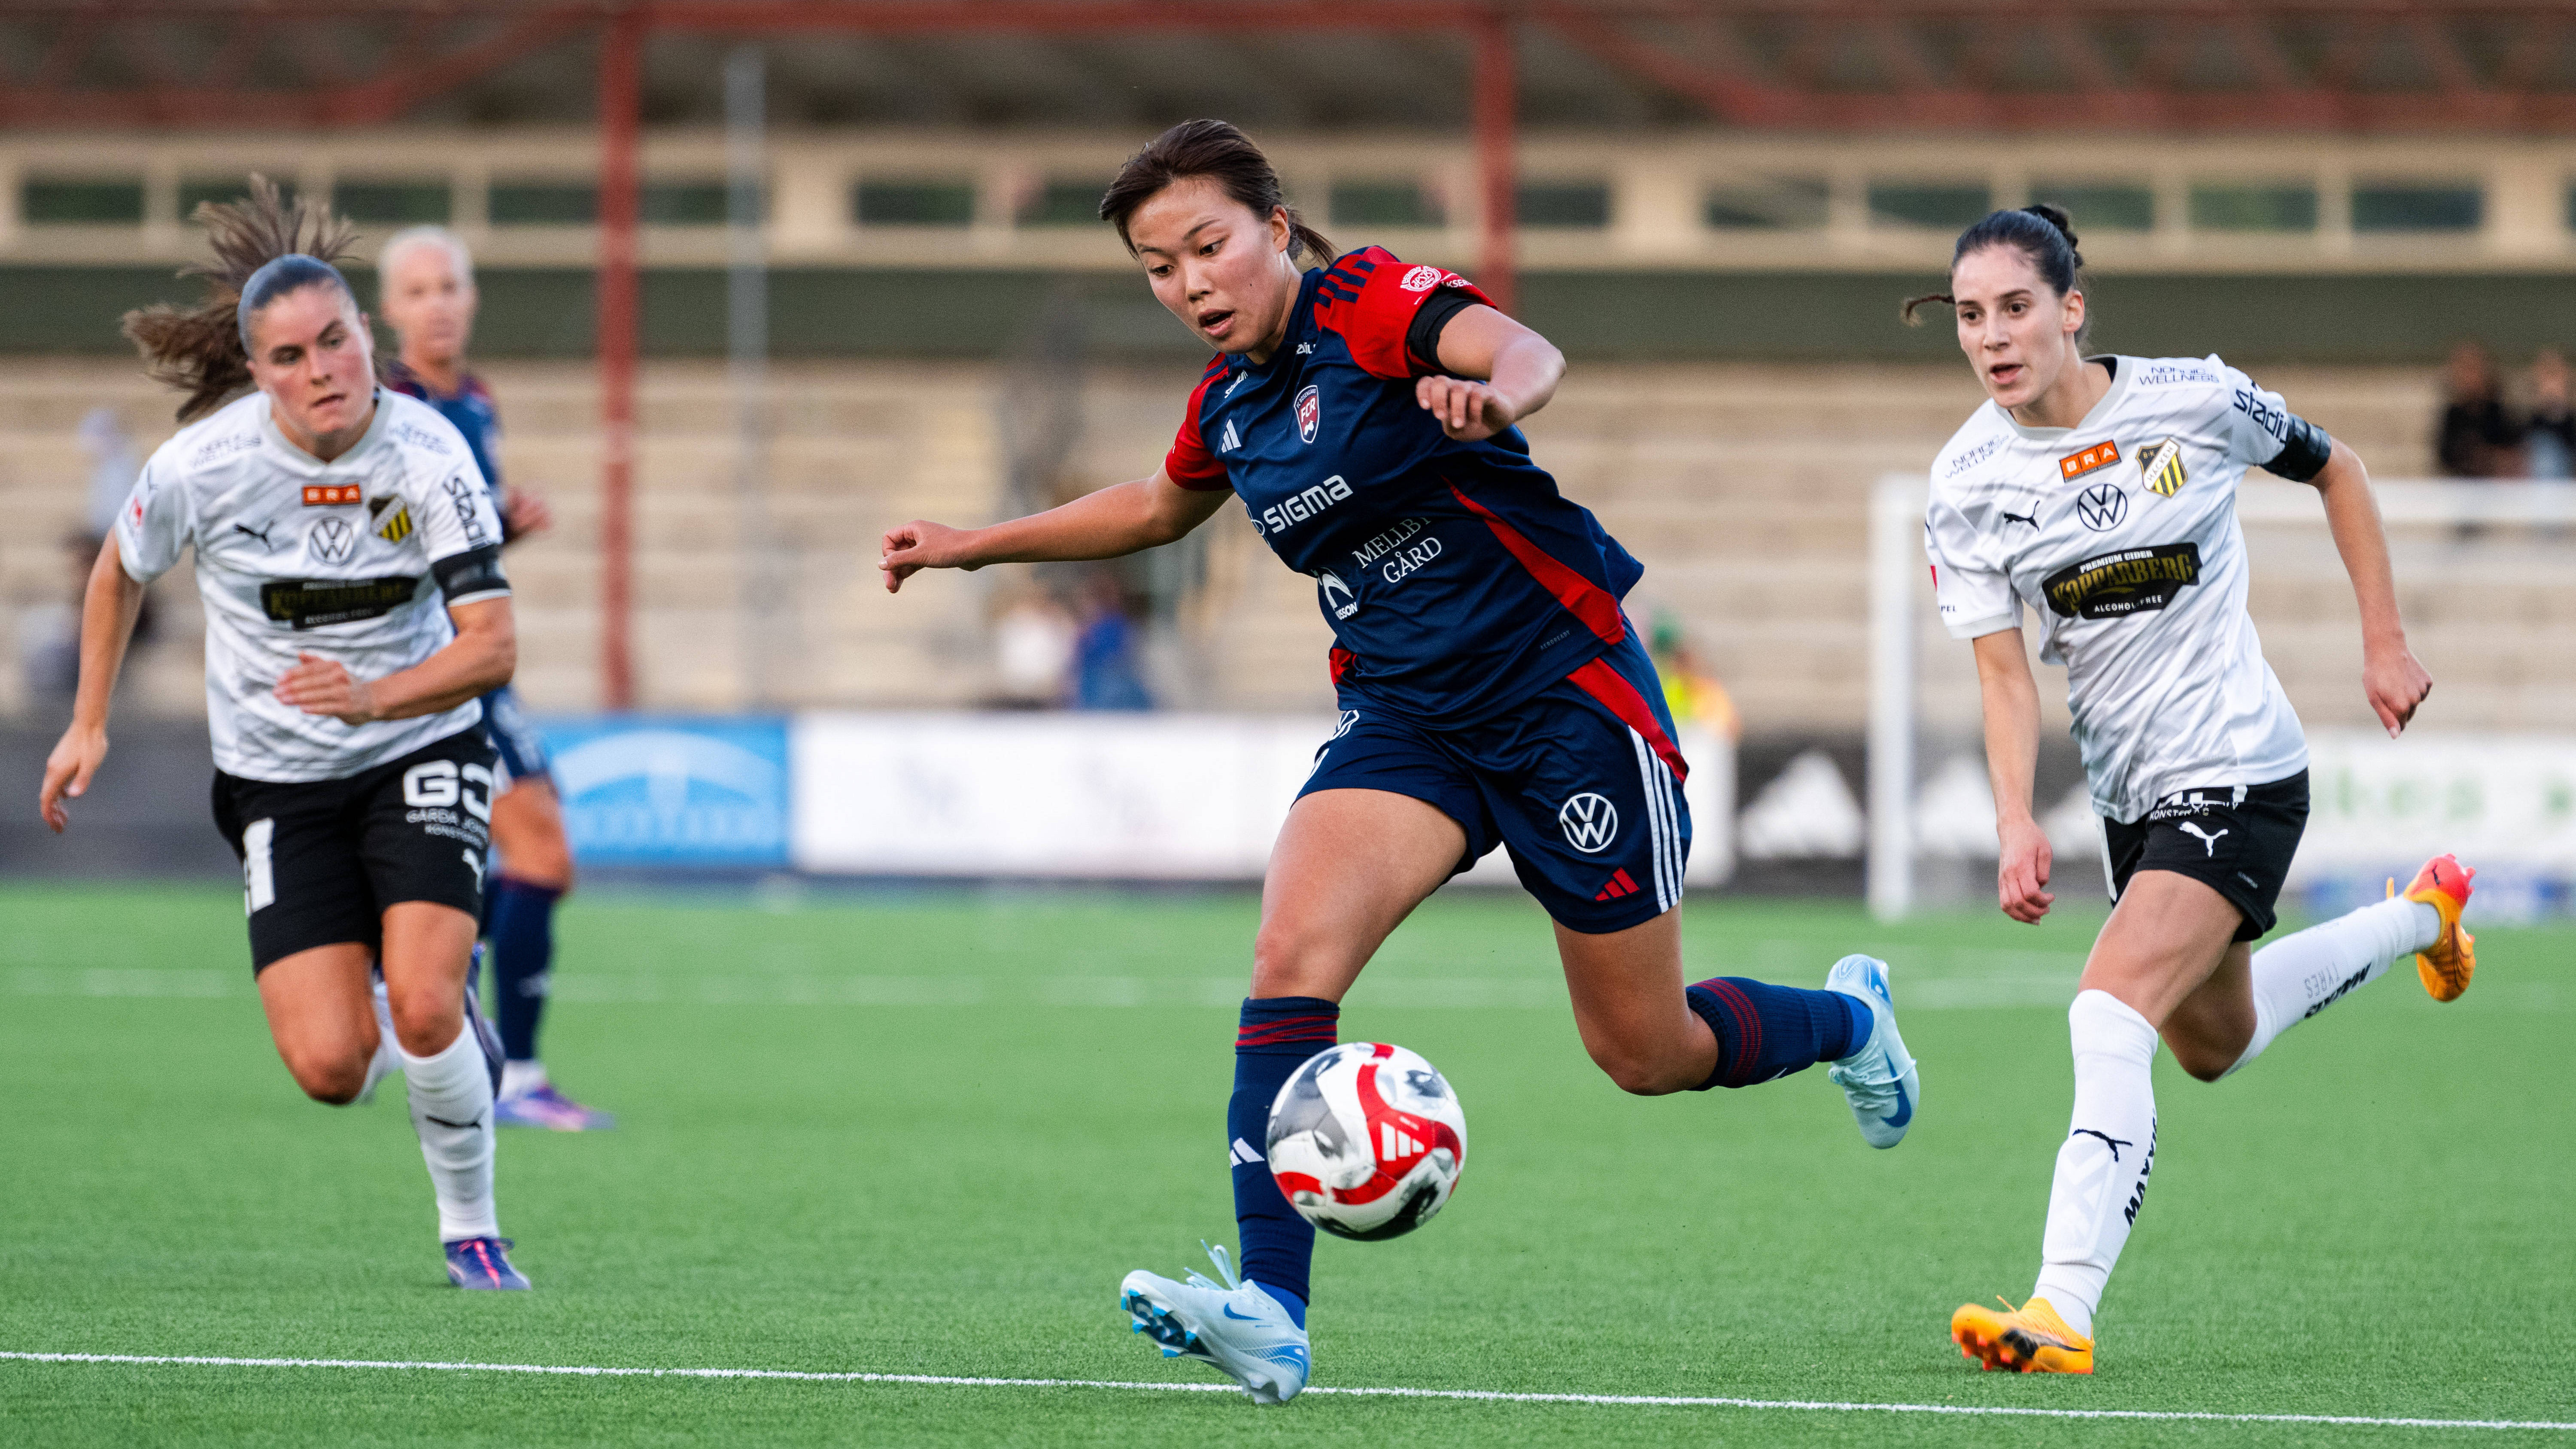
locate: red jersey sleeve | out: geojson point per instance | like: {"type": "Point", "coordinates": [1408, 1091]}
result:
{"type": "Point", "coordinates": [1189, 463]}
{"type": "Point", "coordinates": [1370, 298]}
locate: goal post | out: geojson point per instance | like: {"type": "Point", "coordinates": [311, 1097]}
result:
{"type": "Point", "coordinates": [2507, 548]}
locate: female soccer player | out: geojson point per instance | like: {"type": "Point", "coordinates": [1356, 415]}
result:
{"type": "Point", "coordinates": [2101, 493]}
{"type": "Point", "coordinates": [427, 281]}
{"type": "Point", "coordinates": [1492, 691]}
{"type": "Point", "coordinates": [349, 561]}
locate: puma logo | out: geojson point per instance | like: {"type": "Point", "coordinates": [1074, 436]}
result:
{"type": "Point", "coordinates": [2030, 519]}
{"type": "Point", "coordinates": [459, 1126]}
{"type": "Point", "coordinates": [2115, 1143]}
{"type": "Point", "coordinates": [258, 533]}
{"type": "Point", "coordinates": [2207, 840]}
{"type": "Point", "coordinates": [474, 862]}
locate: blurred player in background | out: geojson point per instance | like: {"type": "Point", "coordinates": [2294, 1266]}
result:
{"type": "Point", "coordinates": [427, 278]}
{"type": "Point", "coordinates": [350, 564]}
{"type": "Point", "coordinates": [2101, 493]}
{"type": "Point", "coordinates": [1492, 691]}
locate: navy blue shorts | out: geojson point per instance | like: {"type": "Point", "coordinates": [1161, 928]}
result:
{"type": "Point", "coordinates": [522, 749]}
{"type": "Point", "coordinates": [1581, 782]}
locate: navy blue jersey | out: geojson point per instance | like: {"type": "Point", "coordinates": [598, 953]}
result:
{"type": "Point", "coordinates": [470, 408]}
{"type": "Point", "coordinates": [1456, 578]}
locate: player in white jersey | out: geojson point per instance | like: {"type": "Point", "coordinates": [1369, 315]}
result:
{"type": "Point", "coordinates": [349, 561]}
{"type": "Point", "coordinates": [2099, 493]}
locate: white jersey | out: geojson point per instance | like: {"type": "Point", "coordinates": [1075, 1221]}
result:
{"type": "Point", "coordinates": [2120, 534]}
{"type": "Point", "coordinates": [347, 560]}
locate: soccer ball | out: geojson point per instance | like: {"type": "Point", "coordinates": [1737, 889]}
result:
{"type": "Point", "coordinates": [1366, 1141]}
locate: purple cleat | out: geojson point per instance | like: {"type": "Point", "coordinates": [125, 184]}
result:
{"type": "Point", "coordinates": [542, 1106]}
{"type": "Point", "coordinates": [483, 1263]}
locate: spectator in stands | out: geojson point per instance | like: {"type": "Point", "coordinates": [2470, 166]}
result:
{"type": "Point", "coordinates": [2476, 437]}
{"type": "Point", "coordinates": [49, 635]}
{"type": "Point", "coordinates": [1108, 672]}
{"type": "Point", "coordinates": [1691, 688]}
{"type": "Point", "coordinates": [2549, 445]}
{"type": "Point", "coordinates": [1033, 644]}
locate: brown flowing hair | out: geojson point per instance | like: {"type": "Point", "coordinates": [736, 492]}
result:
{"type": "Point", "coordinates": [1220, 152]}
{"type": "Point", "coordinates": [198, 349]}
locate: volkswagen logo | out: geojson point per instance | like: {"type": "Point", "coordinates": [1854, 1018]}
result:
{"type": "Point", "coordinates": [2102, 506]}
{"type": "Point", "coordinates": [332, 540]}
{"type": "Point", "coordinates": [1590, 822]}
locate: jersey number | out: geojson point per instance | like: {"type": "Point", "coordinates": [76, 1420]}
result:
{"type": "Point", "coordinates": [441, 784]}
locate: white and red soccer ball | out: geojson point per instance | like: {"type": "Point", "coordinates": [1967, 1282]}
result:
{"type": "Point", "coordinates": [1367, 1141]}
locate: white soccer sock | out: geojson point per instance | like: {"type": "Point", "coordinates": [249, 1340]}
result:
{"type": "Point", "coordinates": [388, 1057]}
{"type": "Point", "coordinates": [522, 1077]}
{"type": "Point", "coordinates": [451, 1108]}
{"type": "Point", "coordinates": [2300, 975]}
{"type": "Point", "coordinates": [2102, 1167]}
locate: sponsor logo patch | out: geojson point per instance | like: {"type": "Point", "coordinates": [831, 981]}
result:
{"type": "Point", "coordinates": [2130, 581]}
{"type": "Point", "coordinates": [2099, 456]}
{"type": "Point", "coordinates": [2102, 507]}
{"type": "Point", "coordinates": [312, 603]}
{"type": "Point", "coordinates": [329, 495]}
{"type": "Point", "coordinates": [1590, 822]}
{"type": "Point", "coordinates": [2162, 468]}
{"type": "Point", "coordinates": [331, 540]}
{"type": "Point", "coordinates": [1310, 412]}
{"type": "Point", "coordinates": [1422, 279]}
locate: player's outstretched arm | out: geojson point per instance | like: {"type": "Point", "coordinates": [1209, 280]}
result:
{"type": "Point", "coordinates": [108, 608]}
{"type": "Point", "coordinates": [2012, 762]}
{"type": "Point", "coordinates": [1107, 524]}
{"type": "Point", "coordinates": [1502, 373]}
{"type": "Point", "coordinates": [480, 659]}
{"type": "Point", "coordinates": [2390, 675]}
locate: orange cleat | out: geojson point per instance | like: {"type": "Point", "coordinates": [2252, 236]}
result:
{"type": "Point", "coordinates": [2447, 964]}
{"type": "Point", "coordinates": [2030, 1339]}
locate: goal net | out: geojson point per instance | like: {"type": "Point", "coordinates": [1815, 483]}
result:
{"type": "Point", "coordinates": [2486, 581]}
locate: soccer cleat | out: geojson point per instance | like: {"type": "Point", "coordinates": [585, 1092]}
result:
{"type": "Point", "coordinates": [482, 1029]}
{"type": "Point", "coordinates": [2447, 964]}
{"type": "Point", "coordinates": [1879, 1079]}
{"type": "Point", "coordinates": [1234, 1327]}
{"type": "Point", "coordinates": [483, 1263]}
{"type": "Point", "coordinates": [543, 1106]}
{"type": "Point", "coordinates": [2030, 1339]}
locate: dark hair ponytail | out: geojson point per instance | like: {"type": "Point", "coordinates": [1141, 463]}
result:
{"type": "Point", "coordinates": [2043, 233]}
{"type": "Point", "coordinates": [201, 349]}
{"type": "Point", "coordinates": [1220, 152]}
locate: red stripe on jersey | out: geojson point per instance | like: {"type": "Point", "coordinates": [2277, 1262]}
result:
{"type": "Point", "coordinates": [1339, 662]}
{"type": "Point", "coordinates": [1189, 464]}
{"type": "Point", "coordinates": [1583, 598]}
{"type": "Point", "coordinates": [1375, 322]}
{"type": "Point", "coordinates": [1617, 695]}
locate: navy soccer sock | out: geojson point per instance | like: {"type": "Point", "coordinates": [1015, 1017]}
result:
{"type": "Point", "coordinates": [1279, 1034]}
{"type": "Point", "coordinates": [1765, 1032]}
{"type": "Point", "coordinates": [519, 919]}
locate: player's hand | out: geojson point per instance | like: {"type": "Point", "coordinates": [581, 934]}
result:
{"type": "Point", "coordinates": [911, 547]}
{"type": "Point", "coordinates": [527, 514]}
{"type": "Point", "coordinates": [68, 771]}
{"type": "Point", "coordinates": [324, 686]}
{"type": "Point", "coordinates": [2021, 878]}
{"type": "Point", "coordinates": [1468, 410]}
{"type": "Point", "coordinates": [2396, 684]}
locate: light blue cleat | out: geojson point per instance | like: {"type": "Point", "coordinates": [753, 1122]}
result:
{"type": "Point", "coordinates": [1234, 1327]}
{"type": "Point", "coordinates": [1879, 1079]}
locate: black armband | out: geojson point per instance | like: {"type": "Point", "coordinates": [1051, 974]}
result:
{"type": "Point", "coordinates": [473, 574]}
{"type": "Point", "coordinates": [1422, 338]}
{"type": "Point", "coordinates": [2305, 448]}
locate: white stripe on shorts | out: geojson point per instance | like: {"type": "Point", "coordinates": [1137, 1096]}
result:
{"type": "Point", "coordinates": [1659, 806]}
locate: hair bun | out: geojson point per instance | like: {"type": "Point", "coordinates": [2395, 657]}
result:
{"type": "Point", "coordinates": [2057, 217]}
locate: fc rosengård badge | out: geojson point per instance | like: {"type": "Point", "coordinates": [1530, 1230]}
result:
{"type": "Point", "coordinates": [1310, 413]}
{"type": "Point", "coordinates": [2162, 467]}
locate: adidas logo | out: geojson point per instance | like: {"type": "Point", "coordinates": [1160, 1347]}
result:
{"type": "Point", "coordinates": [1232, 440]}
{"type": "Point", "coordinates": [1395, 1146]}
{"type": "Point", "coordinates": [1619, 885]}
{"type": "Point", "coordinates": [1241, 1154]}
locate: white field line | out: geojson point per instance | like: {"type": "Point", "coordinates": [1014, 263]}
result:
{"type": "Point", "coordinates": [1655, 1401]}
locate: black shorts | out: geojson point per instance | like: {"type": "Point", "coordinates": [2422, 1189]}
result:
{"type": "Point", "coordinates": [2235, 839]}
{"type": "Point", "coordinates": [321, 859]}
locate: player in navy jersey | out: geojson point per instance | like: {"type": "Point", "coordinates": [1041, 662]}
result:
{"type": "Point", "coordinates": [427, 278]}
{"type": "Point", "coordinates": [1492, 690]}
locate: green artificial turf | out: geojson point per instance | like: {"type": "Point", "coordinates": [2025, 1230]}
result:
{"type": "Point", "coordinates": [927, 1134]}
